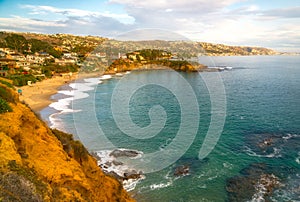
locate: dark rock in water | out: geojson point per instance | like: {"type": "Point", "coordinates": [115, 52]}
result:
{"type": "Point", "coordinates": [108, 164]}
{"type": "Point", "coordinates": [115, 175]}
{"type": "Point", "coordinates": [124, 153]}
{"type": "Point", "coordinates": [239, 189]}
{"type": "Point", "coordinates": [267, 142]}
{"type": "Point", "coordinates": [291, 189]}
{"type": "Point", "coordinates": [94, 154]}
{"type": "Point", "coordinates": [273, 145]}
{"type": "Point", "coordinates": [117, 163]}
{"type": "Point", "coordinates": [129, 175]}
{"type": "Point", "coordinates": [254, 183]}
{"type": "Point", "coordinates": [132, 175]}
{"type": "Point", "coordinates": [264, 144]}
{"type": "Point", "coordinates": [182, 170]}
{"type": "Point", "coordinates": [255, 169]}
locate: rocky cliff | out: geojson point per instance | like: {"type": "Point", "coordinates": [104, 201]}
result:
{"type": "Point", "coordinates": [122, 65]}
{"type": "Point", "coordinates": [40, 164]}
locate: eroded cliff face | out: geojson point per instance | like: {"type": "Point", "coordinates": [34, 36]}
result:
{"type": "Point", "coordinates": [40, 164]}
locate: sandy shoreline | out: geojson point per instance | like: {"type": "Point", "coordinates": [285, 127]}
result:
{"type": "Point", "coordinates": [38, 95]}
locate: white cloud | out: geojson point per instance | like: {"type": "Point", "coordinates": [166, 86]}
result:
{"type": "Point", "coordinates": [179, 5]}
{"type": "Point", "coordinates": [101, 26]}
{"type": "Point", "coordinates": [291, 12]}
{"type": "Point", "coordinates": [69, 12]}
{"type": "Point", "coordinates": [214, 21]}
{"type": "Point", "coordinates": [19, 23]}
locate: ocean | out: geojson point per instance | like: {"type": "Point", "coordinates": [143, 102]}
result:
{"type": "Point", "coordinates": [231, 135]}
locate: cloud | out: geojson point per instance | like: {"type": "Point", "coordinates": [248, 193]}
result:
{"type": "Point", "coordinates": [177, 5]}
{"type": "Point", "coordinates": [271, 14]}
{"type": "Point", "coordinates": [44, 10]}
{"type": "Point", "coordinates": [100, 25]}
{"type": "Point", "coordinates": [18, 23]}
{"type": "Point", "coordinates": [292, 12]}
{"type": "Point", "coordinates": [150, 34]}
{"type": "Point", "coordinates": [73, 21]}
{"type": "Point", "coordinates": [217, 21]}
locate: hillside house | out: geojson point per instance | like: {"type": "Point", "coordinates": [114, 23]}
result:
{"type": "Point", "coordinates": [2, 54]}
{"type": "Point", "coordinates": [7, 50]}
{"type": "Point", "coordinates": [65, 61]}
{"type": "Point", "coordinates": [35, 59]}
{"type": "Point", "coordinates": [7, 66]}
{"type": "Point", "coordinates": [16, 56]}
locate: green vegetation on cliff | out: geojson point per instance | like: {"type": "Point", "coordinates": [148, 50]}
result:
{"type": "Point", "coordinates": [153, 59]}
{"type": "Point", "coordinates": [4, 106]}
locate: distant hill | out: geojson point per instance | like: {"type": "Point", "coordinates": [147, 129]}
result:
{"type": "Point", "coordinates": [55, 44]}
{"type": "Point", "coordinates": [184, 49]}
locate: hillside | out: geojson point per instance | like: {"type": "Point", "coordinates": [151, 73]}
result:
{"type": "Point", "coordinates": [82, 45]}
{"type": "Point", "coordinates": [54, 44]}
{"type": "Point", "coordinates": [40, 164]}
{"type": "Point", "coordinates": [183, 49]}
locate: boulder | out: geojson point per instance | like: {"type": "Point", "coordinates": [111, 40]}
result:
{"type": "Point", "coordinates": [182, 170]}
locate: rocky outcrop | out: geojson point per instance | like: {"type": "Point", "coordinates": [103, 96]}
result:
{"type": "Point", "coordinates": [114, 166]}
{"type": "Point", "coordinates": [124, 153]}
{"type": "Point", "coordinates": [123, 65]}
{"type": "Point", "coordinates": [38, 164]}
{"type": "Point", "coordinates": [182, 170]}
{"type": "Point", "coordinates": [254, 184]}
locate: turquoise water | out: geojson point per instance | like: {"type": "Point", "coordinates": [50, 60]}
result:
{"type": "Point", "coordinates": [262, 103]}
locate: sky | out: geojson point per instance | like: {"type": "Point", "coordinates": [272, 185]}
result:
{"type": "Point", "coordinates": [268, 23]}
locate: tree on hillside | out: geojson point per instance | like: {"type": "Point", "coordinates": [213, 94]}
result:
{"type": "Point", "coordinates": [153, 54]}
{"type": "Point", "coordinates": [38, 45]}
{"type": "Point", "coordinates": [16, 42]}
{"type": "Point", "coordinates": [53, 52]}
{"type": "Point", "coordinates": [82, 50]}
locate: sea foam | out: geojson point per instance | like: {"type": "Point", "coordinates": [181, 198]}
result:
{"type": "Point", "coordinates": [78, 90]}
{"type": "Point", "coordinates": [275, 154]}
{"type": "Point", "coordinates": [110, 164]}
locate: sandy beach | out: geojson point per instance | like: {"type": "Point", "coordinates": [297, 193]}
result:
{"type": "Point", "coordinates": [38, 95]}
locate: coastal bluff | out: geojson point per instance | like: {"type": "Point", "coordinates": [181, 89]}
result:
{"type": "Point", "coordinates": [41, 164]}
{"type": "Point", "coordinates": [153, 59]}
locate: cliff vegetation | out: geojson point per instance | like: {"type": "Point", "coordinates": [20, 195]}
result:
{"type": "Point", "coordinates": [153, 59]}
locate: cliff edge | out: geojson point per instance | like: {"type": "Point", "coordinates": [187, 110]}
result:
{"type": "Point", "coordinates": [40, 164]}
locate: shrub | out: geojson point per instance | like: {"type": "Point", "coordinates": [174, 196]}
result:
{"type": "Point", "coordinates": [4, 106]}
{"type": "Point", "coordinates": [7, 94]}
{"type": "Point", "coordinates": [69, 145]}
{"type": "Point", "coordinates": [21, 80]}
{"type": "Point", "coordinates": [48, 69]}
{"type": "Point", "coordinates": [7, 84]}
{"type": "Point", "coordinates": [80, 152]}
{"type": "Point", "coordinates": [64, 138]}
